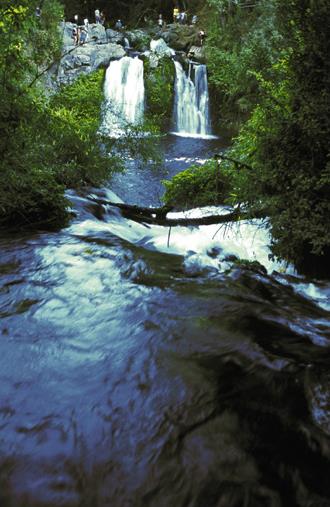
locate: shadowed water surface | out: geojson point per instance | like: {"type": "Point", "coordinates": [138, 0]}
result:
{"type": "Point", "coordinates": [134, 377]}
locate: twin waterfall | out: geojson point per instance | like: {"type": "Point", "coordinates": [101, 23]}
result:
{"type": "Point", "coordinates": [125, 98]}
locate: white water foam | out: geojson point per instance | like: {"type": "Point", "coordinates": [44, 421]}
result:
{"type": "Point", "coordinates": [124, 96]}
{"type": "Point", "coordinates": [246, 240]}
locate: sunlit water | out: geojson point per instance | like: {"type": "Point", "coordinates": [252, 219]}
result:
{"type": "Point", "coordinates": [142, 370]}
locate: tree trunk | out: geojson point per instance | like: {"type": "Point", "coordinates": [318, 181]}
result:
{"type": "Point", "coordinates": [157, 216]}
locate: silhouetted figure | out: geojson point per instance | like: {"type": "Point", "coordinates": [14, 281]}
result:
{"type": "Point", "coordinates": [201, 35]}
{"type": "Point", "coordinates": [118, 25]}
{"type": "Point", "coordinates": [160, 21]}
{"type": "Point", "coordinates": [97, 16]}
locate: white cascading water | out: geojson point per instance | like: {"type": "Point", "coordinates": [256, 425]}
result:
{"type": "Point", "coordinates": [124, 95]}
{"type": "Point", "coordinates": [191, 110]}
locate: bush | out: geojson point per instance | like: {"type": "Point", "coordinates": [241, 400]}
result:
{"type": "Point", "coordinates": [198, 186]}
{"type": "Point", "coordinates": [32, 199]}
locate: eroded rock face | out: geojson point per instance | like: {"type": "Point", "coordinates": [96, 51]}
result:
{"type": "Point", "coordinates": [97, 33]}
{"type": "Point", "coordinates": [114, 36]}
{"type": "Point", "coordinates": [86, 58]}
{"type": "Point", "coordinates": [197, 53]}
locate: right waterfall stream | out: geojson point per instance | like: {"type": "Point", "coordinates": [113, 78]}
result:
{"type": "Point", "coordinates": [191, 107]}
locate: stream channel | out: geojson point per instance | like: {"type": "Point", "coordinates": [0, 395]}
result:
{"type": "Point", "coordinates": [145, 373]}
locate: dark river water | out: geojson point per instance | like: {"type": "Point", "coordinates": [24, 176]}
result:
{"type": "Point", "coordinates": [136, 374]}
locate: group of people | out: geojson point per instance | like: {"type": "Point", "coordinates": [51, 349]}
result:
{"type": "Point", "coordinates": [99, 17]}
{"type": "Point", "coordinates": [80, 35]}
{"type": "Point", "coordinates": [182, 17]}
{"type": "Point", "coordinates": [178, 17]}
{"type": "Point", "coordinates": [80, 32]}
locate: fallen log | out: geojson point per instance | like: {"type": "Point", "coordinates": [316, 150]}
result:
{"type": "Point", "coordinates": [157, 216]}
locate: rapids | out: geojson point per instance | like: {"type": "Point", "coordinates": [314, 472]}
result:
{"type": "Point", "coordinates": [136, 374]}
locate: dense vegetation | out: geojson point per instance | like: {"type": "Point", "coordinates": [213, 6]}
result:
{"type": "Point", "coordinates": [270, 71]}
{"type": "Point", "coordinates": [159, 86]}
{"type": "Point", "coordinates": [29, 192]}
{"type": "Point", "coordinates": [47, 142]}
{"type": "Point", "coordinates": [198, 186]}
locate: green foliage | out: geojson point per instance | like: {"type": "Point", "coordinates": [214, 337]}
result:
{"type": "Point", "coordinates": [159, 86]}
{"type": "Point", "coordinates": [28, 190]}
{"type": "Point", "coordinates": [74, 142]}
{"type": "Point", "coordinates": [286, 139]}
{"type": "Point", "coordinates": [242, 40]}
{"type": "Point", "coordinates": [198, 186]}
{"type": "Point", "coordinates": [46, 144]}
{"type": "Point", "coordinates": [32, 198]}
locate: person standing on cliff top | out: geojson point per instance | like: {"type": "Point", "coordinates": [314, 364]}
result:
{"type": "Point", "coordinates": [160, 21]}
{"type": "Point", "coordinates": [118, 25]}
{"type": "Point", "coordinates": [97, 16]}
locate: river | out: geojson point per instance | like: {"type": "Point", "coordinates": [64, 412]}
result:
{"type": "Point", "coordinates": [152, 368]}
{"type": "Point", "coordinates": [141, 372]}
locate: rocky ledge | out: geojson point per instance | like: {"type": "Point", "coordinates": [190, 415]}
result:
{"type": "Point", "coordinates": [103, 46]}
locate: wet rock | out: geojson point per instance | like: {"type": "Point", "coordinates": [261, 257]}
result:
{"type": "Point", "coordinates": [153, 60]}
{"type": "Point", "coordinates": [161, 48]}
{"type": "Point", "coordinates": [214, 252]}
{"type": "Point", "coordinates": [231, 258]}
{"type": "Point", "coordinates": [180, 37]}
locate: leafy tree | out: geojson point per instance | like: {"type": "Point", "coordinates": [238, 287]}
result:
{"type": "Point", "coordinates": [28, 192]}
{"type": "Point", "coordinates": [286, 139]}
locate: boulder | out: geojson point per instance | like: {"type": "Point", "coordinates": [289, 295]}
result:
{"type": "Point", "coordinates": [97, 33]}
{"type": "Point", "coordinates": [180, 37]}
{"type": "Point", "coordinates": [160, 47]}
{"type": "Point", "coordinates": [114, 36]}
{"type": "Point", "coordinates": [105, 53]}
{"type": "Point", "coordinates": [87, 58]}
{"type": "Point", "coordinates": [197, 53]}
{"type": "Point", "coordinates": [153, 60]}
{"type": "Point", "coordinates": [138, 39]}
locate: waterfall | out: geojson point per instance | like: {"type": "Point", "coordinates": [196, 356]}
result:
{"type": "Point", "coordinates": [124, 95]}
{"type": "Point", "coordinates": [191, 110]}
